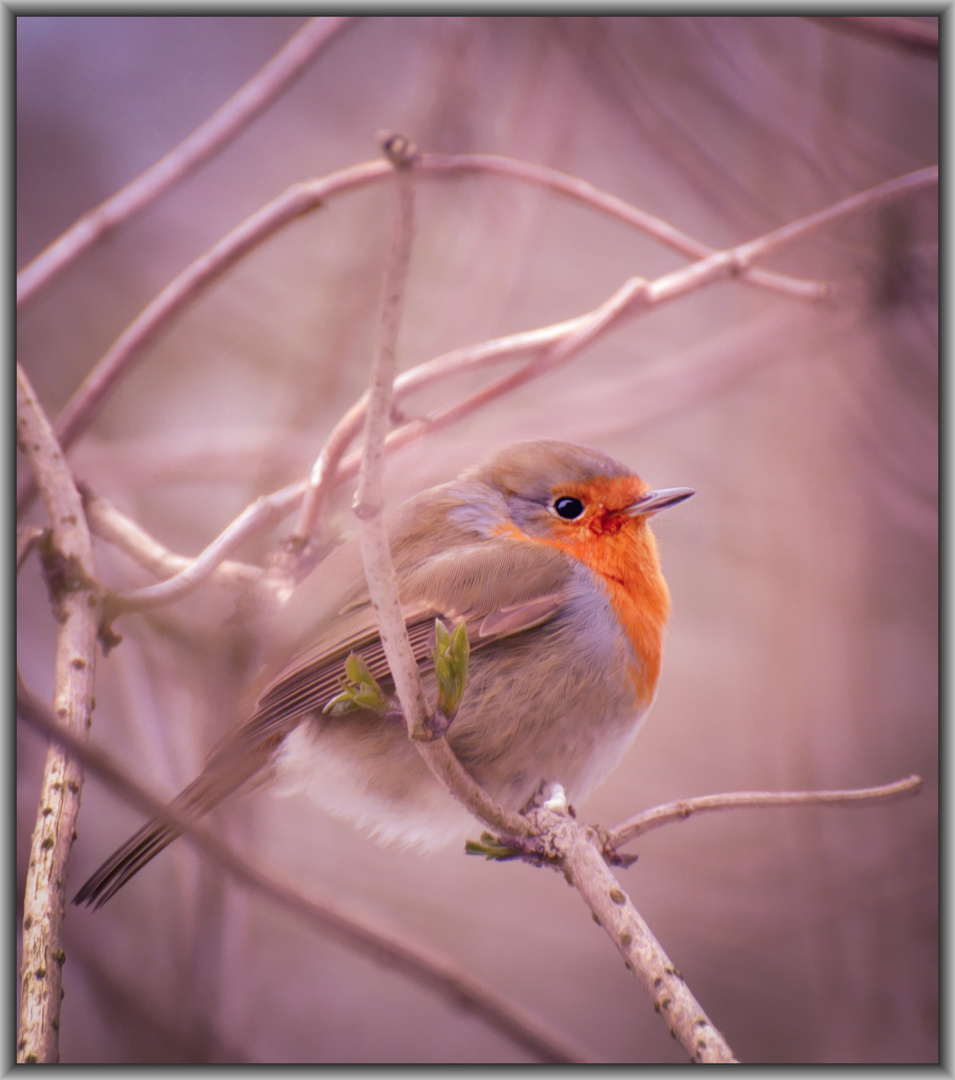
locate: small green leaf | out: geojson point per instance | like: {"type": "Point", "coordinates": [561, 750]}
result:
{"type": "Point", "coordinates": [490, 846]}
{"type": "Point", "coordinates": [451, 652]}
{"type": "Point", "coordinates": [360, 690]}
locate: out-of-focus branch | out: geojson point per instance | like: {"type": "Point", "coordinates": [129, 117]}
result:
{"type": "Point", "coordinates": [70, 574]}
{"type": "Point", "coordinates": [559, 343]}
{"type": "Point", "coordinates": [554, 345]}
{"type": "Point", "coordinates": [223, 126]}
{"type": "Point", "coordinates": [265, 513]}
{"type": "Point", "coordinates": [431, 969]}
{"type": "Point", "coordinates": [890, 30]}
{"type": "Point", "coordinates": [581, 191]}
{"type": "Point", "coordinates": [186, 287]}
{"type": "Point", "coordinates": [681, 809]}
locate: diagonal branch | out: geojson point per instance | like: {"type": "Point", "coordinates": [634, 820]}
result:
{"type": "Point", "coordinates": [210, 137]}
{"type": "Point", "coordinates": [577, 850]}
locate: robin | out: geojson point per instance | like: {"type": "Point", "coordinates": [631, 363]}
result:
{"type": "Point", "coordinates": [545, 552]}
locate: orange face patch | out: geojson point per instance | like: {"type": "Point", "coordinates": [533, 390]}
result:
{"type": "Point", "coordinates": [621, 552]}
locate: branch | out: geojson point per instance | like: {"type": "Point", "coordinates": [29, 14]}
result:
{"type": "Point", "coordinates": [681, 809]}
{"type": "Point", "coordinates": [432, 969]}
{"type": "Point", "coordinates": [560, 342]}
{"type": "Point", "coordinates": [68, 563]}
{"type": "Point", "coordinates": [583, 192]}
{"type": "Point", "coordinates": [554, 345]}
{"type": "Point", "coordinates": [265, 513]}
{"type": "Point", "coordinates": [109, 523]}
{"type": "Point", "coordinates": [301, 199]}
{"type": "Point", "coordinates": [210, 137]}
{"type": "Point", "coordinates": [576, 848]}
{"type": "Point", "coordinates": [560, 838]}
{"type": "Point", "coordinates": [373, 537]}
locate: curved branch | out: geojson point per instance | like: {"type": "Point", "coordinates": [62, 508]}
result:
{"type": "Point", "coordinates": [681, 809]}
{"type": "Point", "coordinates": [112, 525]}
{"type": "Point", "coordinates": [554, 346]}
{"type": "Point", "coordinates": [301, 199]}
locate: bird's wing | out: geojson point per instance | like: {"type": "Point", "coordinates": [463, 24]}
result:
{"type": "Point", "coordinates": [499, 588]}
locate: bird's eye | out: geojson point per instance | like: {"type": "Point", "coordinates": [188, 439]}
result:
{"type": "Point", "coordinates": [569, 508]}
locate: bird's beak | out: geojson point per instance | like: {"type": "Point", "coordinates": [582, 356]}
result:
{"type": "Point", "coordinates": [655, 501]}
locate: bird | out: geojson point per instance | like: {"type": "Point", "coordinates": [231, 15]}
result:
{"type": "Point", "coordinates": [544, 550]}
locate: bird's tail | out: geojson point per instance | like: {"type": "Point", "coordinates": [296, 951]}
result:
{"type": "Point", "coordinates": [140, 849]}
{"type": "Point", "coordinates": [229, 767]}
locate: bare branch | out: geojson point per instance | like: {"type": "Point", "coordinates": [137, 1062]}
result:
{"type": "Point", "coordinates": [430, 968]}
{"type": "Point", "coordinates": [264, 513]}
{"type": "Point", "coordinates": [369, 501]}
{"type": "Point", "coordinates": [560, 342]}
{"type": "Point", "coordinates": [112, 525]}
{"type": "Point", "coordinates": [373, 537]}
{"type": "Point", "coordinates": [576, 848]}
{"type": "Point", "coordinates": [586, 193]}
{"type": "Point", "coordinates": [68, 561]}
{"type": "Point", "coordinates": [555, 345]}
{"type": "Point", "coordinates": [210, 137]}
{"type": "Point", "coordinates": [681, 809]}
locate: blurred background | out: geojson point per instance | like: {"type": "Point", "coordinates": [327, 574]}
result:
{"type": "Point", "coordinates": [803, 644]}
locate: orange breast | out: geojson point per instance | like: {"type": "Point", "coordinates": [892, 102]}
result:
{"type": "Point", "coordinates": [626, 562]}
{"type": "Point", "coordinates": [622, 554]}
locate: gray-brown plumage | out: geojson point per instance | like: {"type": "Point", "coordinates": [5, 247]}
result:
{"type": "Point", "coordinates": [557, 684]}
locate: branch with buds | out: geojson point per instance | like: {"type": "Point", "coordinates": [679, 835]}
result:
{"type": "Point", "coordinates": [67, 555]}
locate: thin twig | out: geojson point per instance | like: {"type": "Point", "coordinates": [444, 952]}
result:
{"type": "Point", "coordinates": [265, 513]}
{"type": "Point", "coordinates": [681, 809]}
{"type": "Point", "coordinates": [563, 341]}
{"type": "Point", "coordinates": [369, 500]}
{"type": "Point", "coordinates": [68, 561]}
{"type": "Point", "coordinates": [434, 970]}
{"type": "Point", "coordinates": [210, 137]}
{"type": "Point", "coordinates": [186, 287]}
